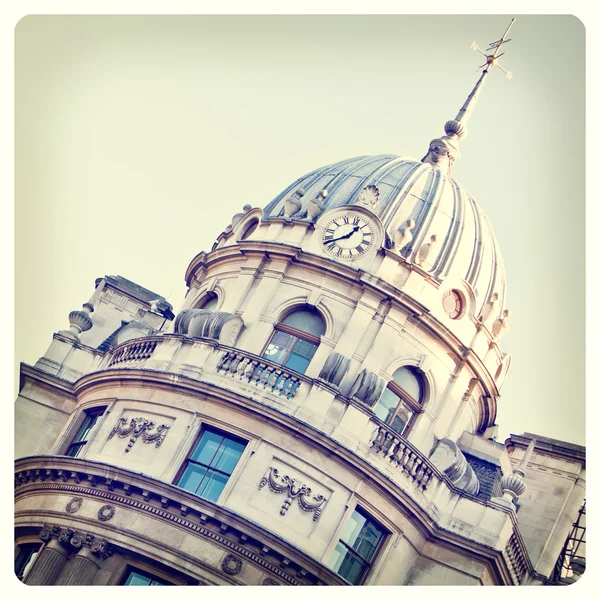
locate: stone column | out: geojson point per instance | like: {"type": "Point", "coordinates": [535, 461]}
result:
{"type": "Point", "coordinates": [87, 561]}
{"type": "Point", "coordinates": [50, 562]}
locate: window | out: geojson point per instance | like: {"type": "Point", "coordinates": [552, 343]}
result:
{"type": "Point", "coordinates": [355, 552]}
{"type": "Point", "coordinates": [453, 304]}
{"type": "Point", "coordinates": [296, 339]}
{"type": "Point", "coordinates": [210, 302]}
{"type": "Point", "coordinates": [25, 556]}
{"type": "Point", "coordinates": [136, 577]}
{"type": "Point", "coordinates": [401, 399]}
{"type": "Point", "coordinates": [250, 229]}
{"type": "Point", "coordinates": [210, 464]}
{"type": "Point", "coordinates": [92, 417]}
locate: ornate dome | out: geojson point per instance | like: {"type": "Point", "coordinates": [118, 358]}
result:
{"type": "Point", "coordinates": [397, 189]}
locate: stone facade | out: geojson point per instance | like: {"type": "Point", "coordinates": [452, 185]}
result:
{"type": "Point", "coordinates": [336, 364]}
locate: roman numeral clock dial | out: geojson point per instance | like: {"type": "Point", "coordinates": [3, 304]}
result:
{"type": "Point", "coordinates": [348, 237]}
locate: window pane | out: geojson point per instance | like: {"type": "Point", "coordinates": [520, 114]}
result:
{"type": "Point", "coordinates": [75, 449]}
{"type": "Point", "coordinates": [278, 347]}
{"type": "Point", "coordinates": [368, 541]}
{"type": "Point", "coordinates": [212, 485]}
{"type": "Point", "coordinates": [228, 455]}
{"type": "Point", "coordinates": [137, 579]}
{"type": "Point", "coordinates": [89, 427]}
{"type": "Point", "coordinates": [348, 565]}
{"type": "Point", "coordinates": [353, 528]}
{"type": "Point", "coordinates": [192, 477]}
{"type": "Point", "coordinates": [297, 363]}
{"type": "Point", "coordinates": [306, 320]}
{"type": "Point", "coordinates": [303, 348]}
{"type": "Point", "coordinates": [409, 382]}
{"type": "Point", "coordinates": [386, 404]}
{"type": "Point", "coordinates": [207, 447]}
{"type": "Point", "coordinates": [398, 424]}
{"type": "Point", "coordinates": [210, 304]}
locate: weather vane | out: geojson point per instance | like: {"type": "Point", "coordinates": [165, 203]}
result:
{"type": "Point", "coordinates": [444, 151]}
{"type": "Point", "coordinates": [491, 60]}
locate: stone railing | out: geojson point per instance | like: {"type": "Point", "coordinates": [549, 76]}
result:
{"type": "Point", "coordinates": [517, 558]}
{"type": "Point", "coordinates": [260, 372]}
{"type": "Point", "coordinates": [133, 352]}
{"type": "Point", "coordinates": [403, 455]}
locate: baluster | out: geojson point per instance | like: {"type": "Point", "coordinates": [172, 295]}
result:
{"type": "Point", "coordinates": [294, 385]}
{"type": "Point", "coordinates": [378, 441]}
{"type": "Point", "coordinates": [283, 379]}
{"type": "Point", "coordinates": [233, 365]}
{"type": "Point", "coordinates": [396, 455]}
{"type": "Point", "coordinates": [409, 463]}
{"type": "Point", "coordinates": [257, 375]}
{"type": "Point", "coordinates": [278, 381]}
{"type": "Point", "coordinates": [415, 468]}
{"type": "Point", "coordinates": [222, 360]}
{"type": "Point", "coordinates": [249, 370]}
{"type": "Point", "coordinates": [266, 375]}
{"type": "Point", "coordinates": [241, 366]}
{"type": "Point", "coordinates": [389, 439]}
{"type": "Point", "coordinates": [426, 479]}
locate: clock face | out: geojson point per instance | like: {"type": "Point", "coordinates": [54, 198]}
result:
{"type": "Point", "coordinates": [348, 236]}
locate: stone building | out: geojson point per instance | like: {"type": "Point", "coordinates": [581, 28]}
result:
{"type": "Point", "coordinates": [320, 411]}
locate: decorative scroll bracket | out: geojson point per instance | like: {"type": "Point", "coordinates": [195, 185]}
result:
{"type": "Point", "coordinates": [139, 427]}
{"type": "Point", "coordinates": [294, 490]}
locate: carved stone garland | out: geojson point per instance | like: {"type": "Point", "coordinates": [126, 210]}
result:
{"type": "Point", "coordinates": [74, 505]}
{"type": "Point", "coordinates": [139, 427]}
{"type": "Point", "coordinates": [294, 490]}
{"type": "Point", "coordinates": [231, 564]}
{"type": "Point", "coordinates": [106, 513]}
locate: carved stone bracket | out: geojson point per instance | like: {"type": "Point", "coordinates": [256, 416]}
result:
{"type": "Point", "coordinates": [139, 427]}
{"type": "Point", "coordinates": [294, 491]}
{"type": "Point", "coordinates": [231, 564]}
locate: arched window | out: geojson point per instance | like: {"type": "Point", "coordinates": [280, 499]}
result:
{"type": "Point", "coordinates": [296, 339]}
{"type": "Point", "coordinates": [401, 399]}
{"type": "Point", "coordinates": [250, 229]}
{"type": "Point", "coordinates": [209, 301]}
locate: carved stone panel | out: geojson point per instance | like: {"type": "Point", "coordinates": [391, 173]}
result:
{"type": "Point", "coordinates": [290, 496]}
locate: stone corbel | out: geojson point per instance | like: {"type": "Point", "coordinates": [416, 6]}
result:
{"type": "Point", "coordinates": [367, 388]}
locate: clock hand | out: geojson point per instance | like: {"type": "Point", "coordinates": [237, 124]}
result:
{"type": "Point", "coordinates": [343, 237]}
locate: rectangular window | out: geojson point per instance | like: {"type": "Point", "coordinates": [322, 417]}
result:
{"type": "Point", "coordinates": [139, 578]}
{"type": "Point", "coordinates": [210, 464]}
{"type": "Point", "coordinates": [26, 554]}
{"type": "Point", "coordinates": [355, 552]}
{"type": "Point", "coordinates": [92, 417]}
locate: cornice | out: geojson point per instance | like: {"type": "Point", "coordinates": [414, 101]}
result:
{"type": "Point", "coordinates": [46, 380]}
{"type": "Point", "coordinates": [138, 492]}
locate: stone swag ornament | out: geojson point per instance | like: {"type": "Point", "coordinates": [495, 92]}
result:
{"type": "Point", "coordinates": [139, 427]}
{"type": "Point", "coordinates": [295, 491]}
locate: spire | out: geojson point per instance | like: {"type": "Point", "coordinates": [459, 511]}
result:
{"type": "Point", "coordinates": [444, 151]}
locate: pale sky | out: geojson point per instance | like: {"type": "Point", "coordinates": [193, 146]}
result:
{"type": "Point", "coordinates": [137, 139]}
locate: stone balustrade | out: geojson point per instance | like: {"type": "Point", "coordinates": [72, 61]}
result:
{"type": "Point", "coordinates": [404, 456]}
{"type": "Point", "coordinates": [132, 353]}
{"type": "Point", "coordinates": [260, 372]}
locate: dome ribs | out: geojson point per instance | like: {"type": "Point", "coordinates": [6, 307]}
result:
{"type": "Point", "coordinates": [425, 215]}
{"type": "Point", "coordinates": [451, 242]}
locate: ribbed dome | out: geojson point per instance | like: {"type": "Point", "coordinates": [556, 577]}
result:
{"type": "Point", "coordinates": [465, 246]}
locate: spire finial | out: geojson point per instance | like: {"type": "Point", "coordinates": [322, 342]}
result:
{"type": "Point", "coordinates": [444, 151]}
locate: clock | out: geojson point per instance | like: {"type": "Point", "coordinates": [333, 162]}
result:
{"type": "Point", "coordinates": [348, 237]}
